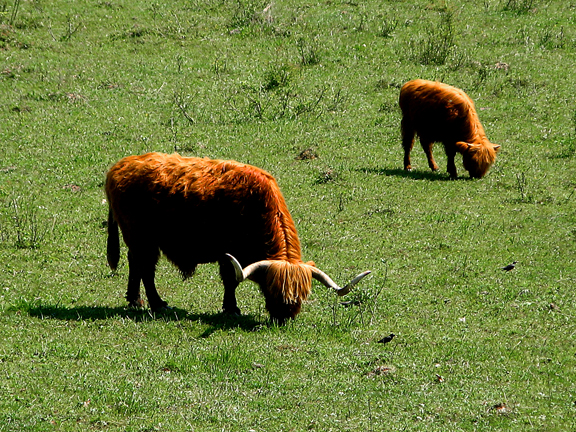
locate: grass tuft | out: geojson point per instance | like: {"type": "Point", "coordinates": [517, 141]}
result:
{"type": "Point", "coordinates": [387, 28]}
{"type": "Point", "coordinates": [277, 76]}
{"type": "Point", "coordinates": [328, 175]}
{"type": "Point", "coordinates": [519, 6]}
{"type": "Point", "coordinates": [25, 224]}
{"type": "Point", "coordinates": [438, 44]}
{"type": "Point", "coordinates": [308, 50]}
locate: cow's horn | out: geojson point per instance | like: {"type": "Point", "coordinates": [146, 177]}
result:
{"type": "Point", "coordinates": [237, 268]}
{"type": "Point", "coordinates": [243, 274]}
{"type": "Point", "coordinates": [320, 276]}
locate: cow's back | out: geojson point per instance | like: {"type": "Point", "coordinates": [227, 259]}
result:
{"type": "Point", "coordinates": [437, 111]}
{"type": "Point", "coordinates": [196, 209]}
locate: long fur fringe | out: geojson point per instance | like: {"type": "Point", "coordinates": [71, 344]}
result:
{"type": "Point", "coordinates": [292, 280]}
{"type": "Point", "coordinates": [478, 161]}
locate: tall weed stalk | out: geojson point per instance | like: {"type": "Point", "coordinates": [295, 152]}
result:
{"type": "Point", "coordinates": [439, 43]}
{"type": "Point", "coordinates": [518, 6]}
{"type": "Point", "coordinates": [26, 224]}
{"type": "Point", "coordinates": [14, 12]}
{"type": "Point", "coordinates": [309, 51]}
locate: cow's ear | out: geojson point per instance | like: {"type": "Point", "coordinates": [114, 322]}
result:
{"type": "Point", "coordinates": [462, 146]}
{"type": "Point", "coordinates": [311, 263]}
{"type": "Point", "coordinates": [496, 147]}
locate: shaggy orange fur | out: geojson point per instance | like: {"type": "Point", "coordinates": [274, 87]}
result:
{"type": "Point", "coordinates": [438, 112]}
{"type": "Point", "coordinates": [197, 210]}
{"type": "Point", "coordinates": [292, 279]}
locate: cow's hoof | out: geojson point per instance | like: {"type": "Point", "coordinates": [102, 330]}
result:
{"type": "Point", "coordinates": [161, 308]}
{"type": "Point", "coordinates": [234, 312]}
{"type": "Point", "coordinates": [136, 304]}
{"type": "Point", "coordinates": [408, 168]}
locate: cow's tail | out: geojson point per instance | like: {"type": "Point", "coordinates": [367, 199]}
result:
{"type": "Point", "coordinates": [113, 244]}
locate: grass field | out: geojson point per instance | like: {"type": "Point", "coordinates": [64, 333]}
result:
{"type": "Point", "coordinates": [85, 83]}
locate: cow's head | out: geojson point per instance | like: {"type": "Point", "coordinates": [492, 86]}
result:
{"type": "Point", "coordinates": [477, 157]}
{"type": "Point", "coordinates": [286, 285]}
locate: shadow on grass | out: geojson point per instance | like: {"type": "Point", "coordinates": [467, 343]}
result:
{"type": "Point", "coordinates": [215, 321]}
{"type": "Point", "coordinates": [415, 174]}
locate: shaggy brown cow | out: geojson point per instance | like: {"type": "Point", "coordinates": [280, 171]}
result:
{"type": "Point", "coordinates": [198, 211]}
{"type": "Point", "coordinates": [438, 112]}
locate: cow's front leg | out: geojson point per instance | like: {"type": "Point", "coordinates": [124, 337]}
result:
{"type": "Point", "coordinates": [154, 300]}
{"type": "Point", "coordinates": [228, 276]}
{"type": "Point", "coordinates": [427, 146]}
{"type": "Point", "coordinates": [451, 168]}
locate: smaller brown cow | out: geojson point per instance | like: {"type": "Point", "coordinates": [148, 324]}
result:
{"type": "Point", "coordinates": [438, 112]}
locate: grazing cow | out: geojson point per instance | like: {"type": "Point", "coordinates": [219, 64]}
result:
{"type": "Point", "coordinates": [438, 112]}
{"type": "Point", "coordinates": [199, 211]}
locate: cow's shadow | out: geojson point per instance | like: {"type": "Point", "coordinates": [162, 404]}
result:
{"type": "Point", "coordinates": [414, 174]}
{"type": "Point", "coordinates": [214, 321]}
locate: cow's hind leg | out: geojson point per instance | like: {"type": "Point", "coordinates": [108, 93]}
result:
{"type": "Point", "coordinates": [228, 276]}
{"type": "Point", "coordinates": [134, 278]}
{"type": "Point", "coordinates": [427, 145]}
{"type": "Point", "coordinates": [408, 134]}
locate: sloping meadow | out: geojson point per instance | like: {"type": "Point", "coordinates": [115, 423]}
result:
{"type": "Point", "coordinates": [307, 91]}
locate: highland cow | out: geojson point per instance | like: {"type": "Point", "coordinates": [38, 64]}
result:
{"type": "Point", "coordinates": [438, 112]}
{"type": "Point", "coordinates": [200, 211]}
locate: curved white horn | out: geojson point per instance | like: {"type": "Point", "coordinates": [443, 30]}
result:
{"type": "Point", "coordinates": [243, 274]}
{"type": "Point", "coordinates": [320, 276]}
{"type": "Point", "coordinates": [253, 268]}
{"type": "Point", "coordinates": [237, 268]}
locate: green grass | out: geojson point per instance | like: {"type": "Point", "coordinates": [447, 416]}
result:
{"type": "Point", "coordinates": [84, 84]}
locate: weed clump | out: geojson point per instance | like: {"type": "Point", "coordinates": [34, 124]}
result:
{"type": "Point", "coordinates": [276, 77]}
{"type": "Point", "coordinates": [549, 38]}
{"type": "Point", "coordinates": [518, 6]}
{"type": "Point", "coordinates": [253, 15]}
{"type": "Point", "coordinates": [13, 13]}
{"type": "Point", "coordinates": [438, 44]}
{"type": "Point", "coordinates": [309, 51]}
{"type": "Point", "coordinates": [8, 38]}
{"type": "Point", "coordinates": [387, 27]}
{"type": "Point", "coordinates": [327, 176]}
{"type": "Point", "coordinates": [276, 99]}
{"type": "Point", "coordinates": [24, 223]}
{"type": "Point", "coordinates": [307, 154]}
